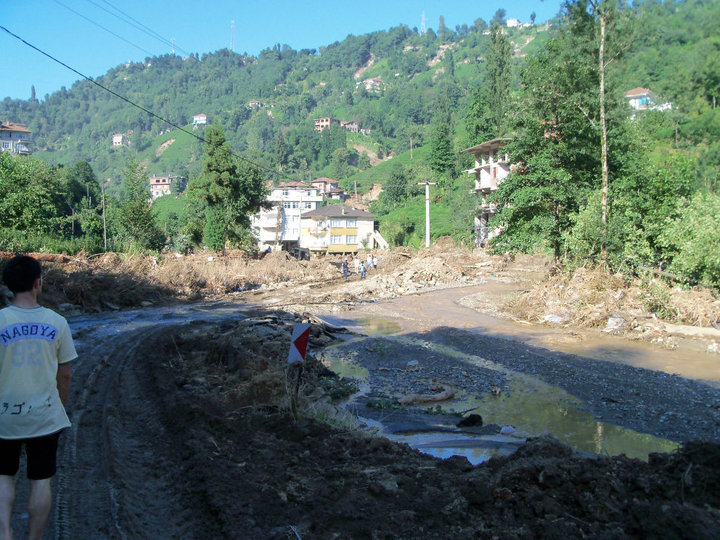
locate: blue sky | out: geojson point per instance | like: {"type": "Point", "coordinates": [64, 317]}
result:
{"type": "Point", "coordinates": [70, 30]}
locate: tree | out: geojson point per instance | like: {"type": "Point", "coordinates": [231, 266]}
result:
{"type": "Point", "coordinates": [395, 191]}
{"type": "Point", "coordinates": [230, 188]}
{"type": "Point", "coordinates": [340, 159]}
{"type": "Point", "coordinates": [486, 118]}
{"type": "Point", "coordinates": [281, 150]}
{"type": "Point", "coordinates": [442, 147]}
{"type": "Point", "coordinates": [135, 219]}
{"type": "Point", "coordinates": [532, 18]}
{"type": "Point", "coordinates": [29, 195]}
{"type": "Point", "coordinates": [499, 17]}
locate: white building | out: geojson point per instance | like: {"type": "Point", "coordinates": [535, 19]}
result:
{"type": "Point", "coordinates": [199, 120]}
{"type": "Point", "coordinates": [279, 227]}
{"type": "Point", "coordinates": [14, 138]}
{"type": "Point", "coordinates": [159, 186]}
{"type": "Point", "coordinates": [491, 168]}
{"type": "Point", "coordinates": [337, 229]}
{"type": "Point", "coordinates": [643, 99]}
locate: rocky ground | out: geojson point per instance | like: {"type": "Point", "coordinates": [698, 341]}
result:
{"type": "Point", "coordinates": [194, 427]}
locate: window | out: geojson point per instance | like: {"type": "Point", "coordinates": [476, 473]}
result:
{"type": "Point", "coordinates": [6, 145]}
{"type": "Point", "coordinates": [295, 204]}
{"type": "Point", "coordinates": [351, 222]}
{"type": "Point", "coordinates": [286, 204]}
{"type": "Point", "coordinates": [337, 222]}
{"type": "Point", "coordinates": [336, 239]}
{"type": "Point", "coordinates": [308, 205]}
{"type": "Point", "coordinates": [351, 239]}
{"type": "Point", "coordinates": [285, 193]}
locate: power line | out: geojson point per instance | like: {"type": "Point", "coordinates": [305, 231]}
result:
{"type": "Point", "coordinates": [101, 26]}
{"type": "Point", "coordinates": [127, 19]}
{"type": "Point", "coordinates": [168, 122]}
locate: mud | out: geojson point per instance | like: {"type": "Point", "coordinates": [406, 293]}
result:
{"type": "Point", "coordinates": [187, 422]}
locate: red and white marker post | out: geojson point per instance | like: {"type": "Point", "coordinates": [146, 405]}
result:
{"type": "Point", "coordinates": [296, 355]}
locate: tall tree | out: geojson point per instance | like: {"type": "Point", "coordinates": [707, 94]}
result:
{"type": "Point", "coordinates": [486, 118]}
{"type": "Point", "coordinates": [231, 189]}
{"type": "Point", "coordinates": [442, 146]}
{"type": "Point", "coordinates": [135, 219]}
{"type": "Point", "coordinates": [556, 141]}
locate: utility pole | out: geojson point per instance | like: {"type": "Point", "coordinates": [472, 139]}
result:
{"type": "Point", "coordinates": [427, 184]}
{"type": "Point", "coordinates": [232, 35]}
{"type": "Point", "coordinates": [102, 187]}
{"type": "Point", "coordinates": [410, 148]}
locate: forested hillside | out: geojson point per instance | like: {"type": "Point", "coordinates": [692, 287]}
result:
{"type": "Point", "coordinates": [292, 88]}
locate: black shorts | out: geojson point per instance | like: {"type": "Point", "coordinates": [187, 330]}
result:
{"type": "Point", "coordinates": [41, 456]}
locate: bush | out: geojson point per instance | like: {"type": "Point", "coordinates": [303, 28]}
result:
{"type": "Point", "coordinates": [691, 240]}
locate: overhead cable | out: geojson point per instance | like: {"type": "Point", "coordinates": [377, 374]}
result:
{"type": "Point", "coordinates": [201, 139]}
{"type": "Point", "coordinates": [106, 29]}
{"type": "Point", "coordinates": [138, 25]}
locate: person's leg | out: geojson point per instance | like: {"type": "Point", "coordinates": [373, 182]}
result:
{"type": "Point", "coordinates": [9, 464]}
{"type": "Point", "coordinates": [42, 464]}
{"type": "Point", "coordinates": [39, 507]}
{"type": "Point", "coordinates": [7, 498]}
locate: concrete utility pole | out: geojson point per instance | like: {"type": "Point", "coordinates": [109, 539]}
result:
{"type": "Point", "coordinates": [427, 184]}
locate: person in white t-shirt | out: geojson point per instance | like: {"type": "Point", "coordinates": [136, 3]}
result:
{"type": "Point", "coordinates": [36, 348]}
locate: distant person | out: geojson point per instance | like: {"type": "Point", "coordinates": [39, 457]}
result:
{"type": "Point", "coordinates": [362, 270]}
{"type": "Point", "coordinates": [369, 261]}
{"type": "Point", "coordinates": [375, 261]}
{"type": "Point", "coordinates": [36, 348]}
{"type": "Point", "coordinates": [356, 263]}
{"type": "Point", "coordinates": [345, 267]}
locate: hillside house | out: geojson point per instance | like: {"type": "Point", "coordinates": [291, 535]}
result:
{"type": "Point", "coordinates": [337, 229]}
{"type": "Point", "coordinates": [324, 184]}
{"type": "Point", "coordinates": [120, 139]}
{"type": "Point", "coordinates": [336, 194]}
{"type": "Point", "coordinates": [351, 126]}
{"type": "Point", "coordinates": [327, 122]}
{"type": "Point", "coordinates": [643, 99]}
{"type": "Point", "coordinates": [279, 226]}
{"type": "Point", "coordinates": [199, 120]}
{"type": "Point", "coordinates": [14, 138]}
{"type": "Point", "coordinates": [159, 186]}
{"type": "Point", "coordinates": [374, 84]}
{"type": "Point", "coordinates": [491, 168]}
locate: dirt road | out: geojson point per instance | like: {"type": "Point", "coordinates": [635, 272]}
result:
{"type": "Point", "coordinates": [183, 428]}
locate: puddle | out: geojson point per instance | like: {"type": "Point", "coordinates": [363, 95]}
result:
{"type": "Point", "coordinates": [376, 326]}
{"type": "Point", "coordinates": [531, 406]}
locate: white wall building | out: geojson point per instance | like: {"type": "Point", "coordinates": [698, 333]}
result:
{"type": "Point", "coordinates": [14, 138]}
{"type": "Point", "coordinates": [279, 227]}
{"type": "Point", "coordinates": [491, 168]}
{"type": "Point", "coordinates": [337, 228]}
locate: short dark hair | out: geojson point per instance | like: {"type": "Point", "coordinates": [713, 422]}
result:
{"type": "Point", "coordinates": [20, 273]}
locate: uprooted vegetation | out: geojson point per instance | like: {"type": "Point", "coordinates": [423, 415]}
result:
{"type": "Point", "coordinates": [598, 298]}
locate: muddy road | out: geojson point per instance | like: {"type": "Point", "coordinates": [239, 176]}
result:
{"type": "Point", "coordinates": [182, 428]}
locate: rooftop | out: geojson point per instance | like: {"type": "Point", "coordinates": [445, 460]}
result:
{"type": "Point", "coordinates": [337, 210]}
{"type": "Point", "coordinates": [487, 146]}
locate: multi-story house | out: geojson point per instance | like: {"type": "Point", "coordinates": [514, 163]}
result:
{"type": "Point", "coordinates": [14, 138]}
{"type": "Point", "coordinates": [327, 122]}
{"type": "Point", "coordinates": [491, 168]}
{"type": "Point", "coordinates": [159, 186]}
{"type": "Point", "coordinates": [324, 184]}
{"type": "Point", "coordinates": [279, 226]}
{"type": "Point", "coordinates": [337, 229]}
{"type": "Point", "coordinates": [120, 139]}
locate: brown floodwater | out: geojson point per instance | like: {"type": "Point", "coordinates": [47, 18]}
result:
{"type": "Point", "coordinates": [410, 314]}
{"type": "Point", "coordinates": [531, 406]}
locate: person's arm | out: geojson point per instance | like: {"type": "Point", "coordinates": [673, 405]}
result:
{"type": "Point", "coordinates": [64, 377]}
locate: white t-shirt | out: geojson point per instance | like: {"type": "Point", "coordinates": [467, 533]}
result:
{"type": "Point", "coordinates": [33, 342]}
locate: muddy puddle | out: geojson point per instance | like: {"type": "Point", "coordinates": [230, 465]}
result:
{"type": "Point", "coordinates": [526, 407]}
